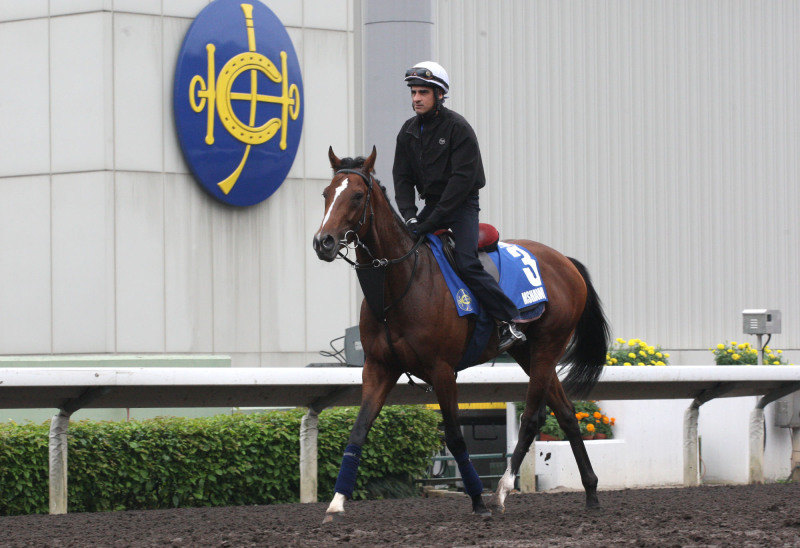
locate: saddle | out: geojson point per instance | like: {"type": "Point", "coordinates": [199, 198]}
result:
{"type": "Point", "coordinates": [488, 237]}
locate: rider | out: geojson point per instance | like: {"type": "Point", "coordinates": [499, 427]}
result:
{"type": "Point", "coordinates": [438, 155]}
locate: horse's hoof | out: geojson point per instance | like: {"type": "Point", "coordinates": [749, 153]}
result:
{"type": "Point", "coordinates": [482, 512]}
{"type": "Point", "coordinates": [331, 517]}
{"type": "Point", "coordinates": [592, 504]}
{"type": "Point", "coordinates": [495, 506]}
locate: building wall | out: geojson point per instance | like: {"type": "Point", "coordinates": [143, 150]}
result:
{"type": "Point", "coordinates": [654, 141]}
{"type": "Point", "coordinates": [106, 242]}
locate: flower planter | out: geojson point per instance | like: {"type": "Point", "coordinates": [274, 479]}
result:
{"type": "Point", "coordinates": [599, 436]}
{"type": "Point", "coordinates": [589, 436]}
{"type": "Point", "coordinates": [547, 437]}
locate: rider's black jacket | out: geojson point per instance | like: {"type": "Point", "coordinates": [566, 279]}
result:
{"type": "Point", "coordinates": [437, 154]}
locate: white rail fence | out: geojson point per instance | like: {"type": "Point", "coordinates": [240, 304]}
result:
{"type": "Point", "coordinates": [131, 382]}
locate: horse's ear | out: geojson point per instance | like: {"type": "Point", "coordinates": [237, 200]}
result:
{"type": "Point", "coordinates": [369, 163]}
{"type": "Point", "coordinates": [336, 163]}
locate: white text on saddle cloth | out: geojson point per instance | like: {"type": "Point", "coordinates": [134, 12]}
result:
{"type": "Point", "coordinates": [531, 270]}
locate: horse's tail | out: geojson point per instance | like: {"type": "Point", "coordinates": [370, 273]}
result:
{"type": "Point", "coordinates": [587, 350]}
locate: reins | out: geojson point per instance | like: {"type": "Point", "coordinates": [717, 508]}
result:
{"type": "Point", "coordinates": [371, 275]}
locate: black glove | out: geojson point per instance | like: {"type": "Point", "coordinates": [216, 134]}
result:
{"type": "Point", "coordinates": [412, 224]}
{"type": "Point", "coordinates": [420, 229]}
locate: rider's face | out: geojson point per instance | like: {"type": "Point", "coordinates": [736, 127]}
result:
{"type": "Point", "coordinates": [422, 99]}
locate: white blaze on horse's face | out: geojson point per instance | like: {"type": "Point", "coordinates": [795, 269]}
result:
{"type": "Point", "coordinates": [335, 196]}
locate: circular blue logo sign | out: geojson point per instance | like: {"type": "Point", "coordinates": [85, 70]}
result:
{"type": "Point", "coordinates": [238, 101]}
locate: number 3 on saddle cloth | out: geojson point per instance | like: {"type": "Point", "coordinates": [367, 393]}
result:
{"type": "Point", "coordinates": [515, 269]}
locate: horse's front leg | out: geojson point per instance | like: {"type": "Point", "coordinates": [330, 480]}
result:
{"type": "Point", "coordinates": [444, 384]}
{"type": "Point", "coordinates": [377, 381]}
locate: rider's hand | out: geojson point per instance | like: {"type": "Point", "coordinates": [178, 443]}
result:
{"type": "Point", "coordinates": [412, 224]}
{"type": "Point", "coordinates": [420, 229]}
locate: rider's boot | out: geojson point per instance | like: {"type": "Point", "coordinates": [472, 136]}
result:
{"type": "Point", "coordinates": [509, 336]}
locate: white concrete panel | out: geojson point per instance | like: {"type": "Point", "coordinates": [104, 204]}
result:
{"type": "Point", "coordinates": [236, 279]}
{"type": "Point", "coordinates": [25, 321]}
{"type": "Point", "coordinates": [325, 14]}
{"type": "Point", "coordinates": [14, 10]}
{"type": "Point", "coordinates": [297, 170]}
{"type": "Point", "coordinates": [174, 32]}
{"type": "Point", "coordinates": [80, 92]}
{"type": "Point", "coordinates": [328, 295]}
{"type": "Point", "coordinates": [24, 108]}
{"type": "Point", "coordinates": [189, 299]}
{"type": "Point", "coordinates": [140, 262]}
{"type": "Point", "coordinates": [290, 12]}
{"type": "Point", "coordinates": [83, 263]}
{"type": "Point", "coordinates": [64, 7]}
{"type": "Point", "coordinates": [138, 93]}
{"type": "Point", "coordinates": [150, 7]}
{"type": "Point", "coordinates": [327, 116]}
{"type": "Point", "coordinates": [283, 255]}
{"type": "Point", "coordinates": [183, 8]}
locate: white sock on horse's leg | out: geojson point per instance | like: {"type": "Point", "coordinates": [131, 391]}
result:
{"type": "Point", "coordinates": [504, 487]}
{"type": "Point", "coordinates": [337, 504]}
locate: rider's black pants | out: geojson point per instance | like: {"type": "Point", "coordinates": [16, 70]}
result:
{"type": "Point", "coordinates": [464, 225]}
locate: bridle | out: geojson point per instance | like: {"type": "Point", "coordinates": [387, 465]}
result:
{"type": "Point", "coordinates": [356, 242]}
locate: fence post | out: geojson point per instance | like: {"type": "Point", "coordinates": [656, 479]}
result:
{"type": "Point", "coordinates": [58, 462]}
{"type": "Point", "coordinates": [691, 455]}
{"type": "Point", "coordinates": [309, 428]}
{"type": "Point", "coordinates": [756, 437]}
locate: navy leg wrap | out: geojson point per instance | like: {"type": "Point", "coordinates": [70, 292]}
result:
{"type": "Point", "coordinates": [346, 481]}
{"type": "Point", "coordinates": [472, 483]}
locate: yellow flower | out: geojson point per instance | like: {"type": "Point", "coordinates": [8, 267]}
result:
{"type": "Point", "coordinates": [766, 349]}
{"type": "Point", "coordinates": [620, 341]}
{"type": "Point", "coordinates": [590, 428]}
{"type": "Point", "coordinates": [633, 342]}
{"type": "Point", "coordinates": [736, 356]}
{"type": "Point", "coordinates": [631, 355]}
{"type": "Point", "coordinates": [651, 351]}
{"type": "Point", "coordinates": [626, 363]}
{"type": "Point", "coordinates": [734, 343]}
{"type": "Point", "coordinates": [729, 351]}
{"type": "Point", "coordinates": [642, 353]}
{"type": "Point", "coordinates": [666, 355]}
{"type": "Point", "coordinates": [660, 363]}
{"type": "Point", "coordinates": [640, 363]}
{"type": "Point", "coordinates": [741, 346]}
{"type": "Point", "coordinates": [659, 355]}
{"type": "Point", "coordinates": [776, 362]}
{"type": "Point", "coordinates": [721, 346]}
{"type": "Point", "coordinates": [779, 351]}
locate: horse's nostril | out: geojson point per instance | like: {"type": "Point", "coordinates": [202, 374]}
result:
{"type": "Point", "coordinates": [328, 242]}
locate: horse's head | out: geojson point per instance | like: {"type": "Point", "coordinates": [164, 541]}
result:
{"type": "Point", "coordinates": [347, 205]}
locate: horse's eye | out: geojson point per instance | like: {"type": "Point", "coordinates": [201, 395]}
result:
{"type": "Point", "coordinates": [357, 196]}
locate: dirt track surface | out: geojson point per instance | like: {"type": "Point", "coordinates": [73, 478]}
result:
{"type": "Point", "coordinates": [765, 515]}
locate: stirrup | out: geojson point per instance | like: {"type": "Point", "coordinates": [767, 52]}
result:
{"type": "Point", "coordinates": [509, 336]}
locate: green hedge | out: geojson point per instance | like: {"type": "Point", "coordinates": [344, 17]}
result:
{"type": "Point", "coordinates": [222, 460]}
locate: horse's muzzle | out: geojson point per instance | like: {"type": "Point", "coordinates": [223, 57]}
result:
{"type": "Point", "coordinates": [325, 246]}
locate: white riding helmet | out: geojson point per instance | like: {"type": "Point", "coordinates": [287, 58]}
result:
{"type": "Point", "coordinates": [428, 73]}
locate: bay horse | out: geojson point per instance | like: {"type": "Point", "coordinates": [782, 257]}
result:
{"type": "Point", "coordinates": [420, 332]}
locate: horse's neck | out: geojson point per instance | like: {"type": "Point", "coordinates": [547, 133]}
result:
{"type": "Point", "coordinates": [388, 239]}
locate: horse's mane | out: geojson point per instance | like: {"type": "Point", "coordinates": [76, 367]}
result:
{"type": "Point", "coordinates": [358, 162]}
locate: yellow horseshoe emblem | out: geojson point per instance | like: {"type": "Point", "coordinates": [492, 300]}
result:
{"type": "Point", "coordinates": [220, 94]}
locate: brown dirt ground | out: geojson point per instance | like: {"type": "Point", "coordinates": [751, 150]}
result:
{"type": "Point", "coordinates": [763, 515]}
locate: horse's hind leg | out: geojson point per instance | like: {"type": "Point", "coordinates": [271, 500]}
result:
{"type": "Point", "coordinates": [377, 381]}
{"type": "Point", "coordinates": [565, 414]}
{"type": "Point", "coordinates": [530, 423]}
{"type": "Point", "coordinates": [444, 384]}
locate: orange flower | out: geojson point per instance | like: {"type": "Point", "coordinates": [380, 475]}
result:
{"type": "Point", "coordinates": [613, 420]}
{"type": "Point", "coordinates": [597, 414]}
{"type": "Point", "coordinates": [578, 416]}
{"type": "Point", "coordinates": [605, 420]}
{"type": "Point", "coordinates": [590, 427]}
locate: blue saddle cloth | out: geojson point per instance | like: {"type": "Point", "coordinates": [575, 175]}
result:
{"type": "Point", "coordinates": [519, 280]}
